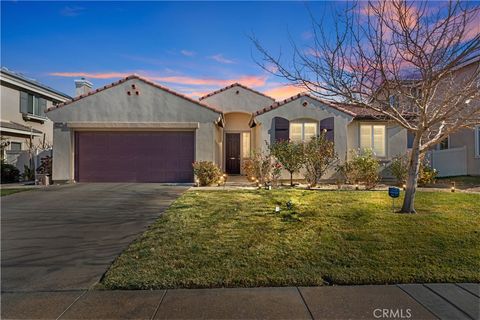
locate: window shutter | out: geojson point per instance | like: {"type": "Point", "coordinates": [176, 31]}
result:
{"type": "Point", "coordinates": [23, 102]}
{"type": "Point", "coordinates": [42, 105]}
{"type": "Point", "coordinates": [328, 125]}
{"type": "Point", "coordinates": [282, 127]}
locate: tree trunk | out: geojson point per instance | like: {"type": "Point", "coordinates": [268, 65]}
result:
{"type": "Point", "coordinates": [412, 177]}
{"type": "Point", "coordinates": [291, 179]}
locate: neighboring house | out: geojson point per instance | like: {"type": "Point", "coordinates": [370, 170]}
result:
{"type": "Point", "coordinates": [137, 131]}
{"type": "Point", "coordinates": [24, 125]}
{"type": "Point", "coordinates": [459, 154]}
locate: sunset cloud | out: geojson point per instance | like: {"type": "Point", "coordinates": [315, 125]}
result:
{"type": "Point", "coordinates": [283, 91]}
{"type": "Point", "coordinates": [220, 58]}
{"type": "Point", "coordinates": [247, 80]}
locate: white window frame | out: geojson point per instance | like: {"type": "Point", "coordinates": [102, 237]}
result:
{"type": "Point", "coordinates": [477, 141]}
{"type": "Point", "coordinates": [371, 125]}
{"type": "Point", "coordinates": [302, 123]}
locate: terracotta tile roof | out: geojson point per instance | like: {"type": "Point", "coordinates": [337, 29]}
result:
{"type": "Point", "coordinates": [354, 111]}
{"type": "Point", "coordinates": [235, 85]}
{"type": "Point", "coordinates": [133, 76]}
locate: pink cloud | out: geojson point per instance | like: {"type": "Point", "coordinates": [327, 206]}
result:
{"type": "Point", "coordinates": [247, 80]}
{"type": "Point", "coordinates": [283, 91]}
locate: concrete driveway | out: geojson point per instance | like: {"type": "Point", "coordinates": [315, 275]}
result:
{"type": "Point", "coordinates": [66, 237]}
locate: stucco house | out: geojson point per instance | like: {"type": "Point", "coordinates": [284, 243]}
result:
{"type": "Point", "coordinates": [23, 120]}
{"type": "Point", "coordinates": [459, 154]}
{"type": "Point", "coordinates": [134, 130]}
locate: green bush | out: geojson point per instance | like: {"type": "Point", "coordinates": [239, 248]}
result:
{"type": "Point", "coordinates": [426, 174]}
{"type": "Point", "coordinates": [362, 168]}
{"type": "Point", "coordinates": [289, 154]}
{"type": "Point", "coordinates": [9, 173]}
{"type": "Point", "coordinates": [206, 172]}
{"type": "Point", "coordinates": [399, 168]}
{"type": "Point", "coordinates": [28, 174]}
{"type": "Point", "coordinates": [319, 156]}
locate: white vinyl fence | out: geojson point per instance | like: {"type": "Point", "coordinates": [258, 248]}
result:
{"type": "Point", "coordinates": [449, 162]}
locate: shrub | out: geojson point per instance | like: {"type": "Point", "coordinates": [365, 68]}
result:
{"type": "Point", "coordinates": [206, 172]}
{"type": "Point", "coordinates": [399, 168]}
{"type": "Point", "coordinates": [249, 169]}
{"type": "Point", "coordinates": [426, 174]}
{"type": "Point", "coordinates": [362, 168]}
{"type": "Point", "coordinates": [262, 166]}
{"type": "Point", "coordinates": [9, 173]}
{"type": "Point", "coordinates": [28, 173]}
{"type": "Point", "coordinates": [319, 156]}
{"type": "Point", "coordinates": [289, 154]}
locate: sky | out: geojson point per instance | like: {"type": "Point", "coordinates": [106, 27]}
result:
{"type": "Point", "coordinates": [191, 47]}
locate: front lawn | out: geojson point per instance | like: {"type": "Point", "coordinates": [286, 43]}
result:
{"type": "Point", "coordinates": [6, 192]}
{"type": "Point", "coordinates": [234, 239]}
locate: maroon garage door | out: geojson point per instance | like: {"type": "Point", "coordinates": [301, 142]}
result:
{"type": "Point", "coordinates": [165, 156]}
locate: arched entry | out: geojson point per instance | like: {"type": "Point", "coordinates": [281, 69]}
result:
{"type": "Point", "coordinates": [237, 141]}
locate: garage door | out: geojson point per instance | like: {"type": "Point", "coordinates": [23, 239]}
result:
{"type": "Point", "coordinates": [165, 156]}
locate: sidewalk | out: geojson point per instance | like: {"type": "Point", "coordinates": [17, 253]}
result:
{"type": "Point", "coordinates": [411, 301]}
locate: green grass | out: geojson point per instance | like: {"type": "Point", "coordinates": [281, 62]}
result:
{"type": "Point", "coordinates": [233, 239]}
{"type": "Point", "coordinates": [6, 192]}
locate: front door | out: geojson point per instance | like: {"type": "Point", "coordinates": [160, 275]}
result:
{"type": "Point", "coordinates": [232, 153]}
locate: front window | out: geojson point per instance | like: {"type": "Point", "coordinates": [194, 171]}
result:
{"type": "Point", "coordinates": [302, 131]}
{"type": "Point", "coordinates": [31, 104]}
{"type": "Point", "coordinates": [246, 144]}
{"type": "Point", "coordinates": [373, 137]}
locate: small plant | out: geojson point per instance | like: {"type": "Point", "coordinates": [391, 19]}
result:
{"type": "Point", "coordinates": [426, 174]}
{"type": "Point", "coordinates": [249, 169]}
{"type": "Point", "coordinates": [276, 172]}
{"type": "Point", "coordinates": [319, 156]}
{"type": "Point", "coordinates": [399, 168]}
{"type": "Point", "coordinates": [9, 173]}
{"type": "Point", "coordinates": [289, 154]}
{"type": "Point", "coordinates": [206, 172]}
{"type": "Point", "coordinates": [262, 163]}
{"type": "Point", "coordinates": [28, 173]}
{"type": "Point", "coordinates": [362, 168]}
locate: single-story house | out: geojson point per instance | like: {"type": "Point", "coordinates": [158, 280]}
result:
{"type": "Point", "coordinates": [134, 130]}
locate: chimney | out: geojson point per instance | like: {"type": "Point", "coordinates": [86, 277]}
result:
{"type": "Point", "coordinates": [82, 86]}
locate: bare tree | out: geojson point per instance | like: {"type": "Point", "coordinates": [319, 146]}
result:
{"type": "Point", "coordinates": [401, 59]}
